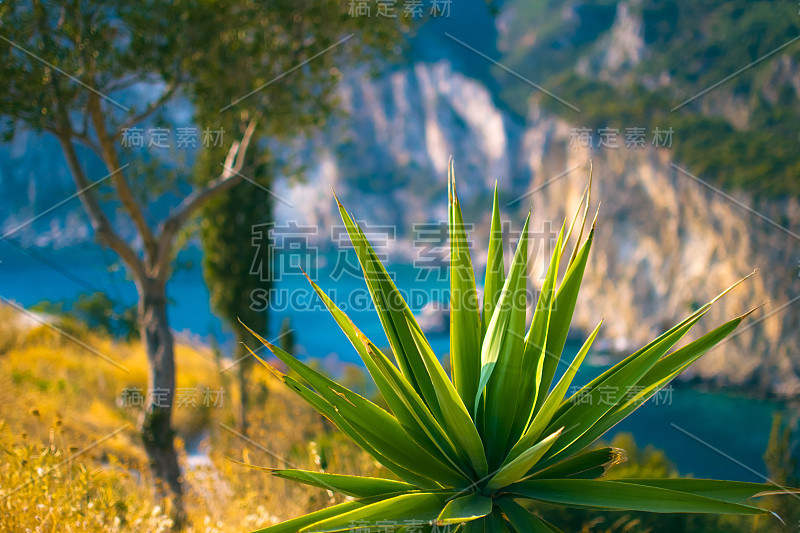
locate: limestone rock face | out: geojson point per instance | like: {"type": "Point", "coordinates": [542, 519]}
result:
{"type": "Point", "coordinates": [666, 242]}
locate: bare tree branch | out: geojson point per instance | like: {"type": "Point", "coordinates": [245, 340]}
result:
{"type": "Point", "coordinates": [129, 81]}
{"type": "Point", "coordinates": [126, 196]}
{"type": "Point", "coordinates": [168, 93]}
{"type": "Point", "coordinates": [104, 231]}
{"type": "Point", "coordinates": [88, 142]}
{"type": "Point", "coordinates": [229, 177]}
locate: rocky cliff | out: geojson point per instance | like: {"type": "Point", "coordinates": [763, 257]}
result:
{"type": "Point", "coordinates": [666, 242]}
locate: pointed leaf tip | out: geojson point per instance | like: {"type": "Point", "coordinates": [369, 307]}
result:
{"type": "Point", "coordinates": [255, 467]}
{"type": "Point", "coordinates": [306, 275]}
{"type": "Point", "coordinates": [753, 310]}
{"type": "Point", "coordinates": [275, 372]}
{"type": "Point", "coordinates": [729, 289]}
{"type": "Point", "coordinates": [338, 203]}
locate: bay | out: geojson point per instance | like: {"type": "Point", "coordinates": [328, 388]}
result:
{"type": "Point", "coordinates": [708, 434]}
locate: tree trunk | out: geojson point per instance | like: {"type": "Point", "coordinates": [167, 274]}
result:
{"type": "Point", "coordinates": [243, 398]}
{"type": "Point", "coordinates": [241, 355]}
{"type": "Point", "coordinates": [156, 421]}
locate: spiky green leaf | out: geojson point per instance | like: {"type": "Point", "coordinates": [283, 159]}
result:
{"type": "Point", "coordinates": [615, 495]}
{"type": "Point", "coordinates": [516, 469]}
{"type": "Point", "coordinates": [545, 414]}
{"type": "Point", "coordinates": [523, 520]}
{"type": "Point", "coordinates": [561, 317]}
{"type": "Point", "coordinates": [535, 350]}
{"type": "Point", "coordinates": [587, 465]}
{"type": "Point", "coordinates": [408, 407]}
{"type": "Point", "coordinates": [421, 506]}
{"type": "Point", "coordinates": [495, 276]}
{"type": "Point", "coordinates": [501, 356]}
{"type": "Point", "coordinates": [456, 419]}
{"type": "Point", "coordinates": [393, 312]}
{"type": "Point", "coordinates": [357, 486]}
{"type": "Point", "coordinates": [464, 508]}
{"type": "Point", "coordinates": [385, 433]}
{"type": "Point", "coordinates": [465, 318]}
{"type": "Point", "coordinates": [729, 491]}
{"type": "Point", "coordinates": [296, 524]}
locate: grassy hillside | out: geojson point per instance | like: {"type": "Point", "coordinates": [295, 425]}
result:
{"type": "Point", "coordinates": [60, 471]}
{"type": "Point", "coordinates": [71, 460]}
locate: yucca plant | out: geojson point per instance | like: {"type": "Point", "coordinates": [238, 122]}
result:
{"type": "Point", "coordinates": [466, 451]}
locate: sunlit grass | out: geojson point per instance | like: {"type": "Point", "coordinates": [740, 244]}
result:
{"type": "Point", "coordinates": [57, 399]}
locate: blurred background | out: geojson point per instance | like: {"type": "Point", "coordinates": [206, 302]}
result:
{"type": "Point", "coordinates": [166, 168]}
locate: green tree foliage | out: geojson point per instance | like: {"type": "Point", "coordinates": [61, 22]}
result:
{"type": "Point", "coordinates": [229, 225]}
{"type": "Point", "coordinates": [95, 311]}
{"type": "Point", "coordinates": [88, 71]}
{"type": "Point", "coordinates": [236, 64]}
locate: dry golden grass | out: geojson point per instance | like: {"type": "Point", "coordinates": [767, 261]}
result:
{"type": "Point", "coordinates": [60, 470]}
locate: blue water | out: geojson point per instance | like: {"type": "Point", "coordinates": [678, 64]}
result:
{"type": "Point", "coordinates": [737, 427]}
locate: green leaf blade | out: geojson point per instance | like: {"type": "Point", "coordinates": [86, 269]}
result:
{"type": "Point", "coordinates": [614, 495]}
{"type": "Point", "coordinates": [729, 491]}
{"type": "Point", "coordinates": [544, 416]}
{"type": "Point", "coordinates": [382, 430]}
{"type": "Point", "coordinates": [464, 509]}
{"type": "Point", "coordinates": [516, 469]}
{"type": "Point", "coordinates": [561, 317]}
{"type": "Point", "coordinates": [422, 506]}
{"type": "Point", "coordinates": [501, 356]}
{"type": "Point", "coordinates": [495, 276]}
{"type": "Point", "coordinates": [587, 465]}
{"type": "Point", "coordinates": [523, 520]}
{"type": "Point", "coordinates": [357, 486]}
{"type": "Point", "coordinates": [393, 312]}
{"type": "Point", "coordinates": [296, 524]}
{"type": "Point", "coordinates": [465, 319]}
{"type": "Point", "coordinates": [456, 419]}
{"type": "Point", "coordinates": [535, 349]}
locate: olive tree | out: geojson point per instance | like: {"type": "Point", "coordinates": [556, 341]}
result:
{"type": "Point", "coordinates": [77, 70]}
